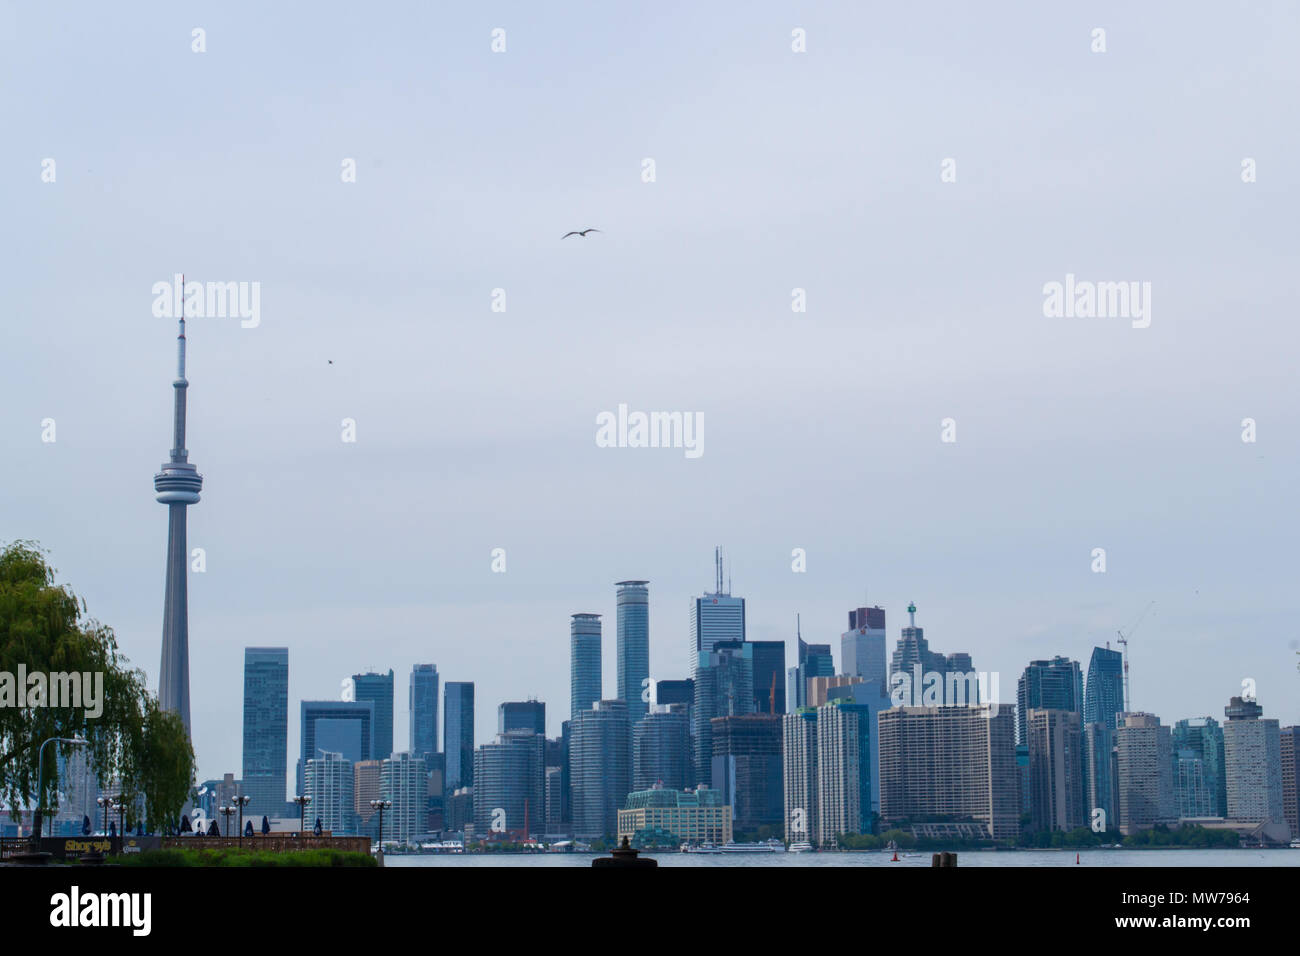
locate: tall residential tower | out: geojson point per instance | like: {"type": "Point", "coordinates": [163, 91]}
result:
{"type": "Point", "coordinates": [633, 598]}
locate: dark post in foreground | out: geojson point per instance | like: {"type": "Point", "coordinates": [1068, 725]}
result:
{"type": "Point", "coordinates": [944, 859]}
{"type": "Point", "coordinates": [623, 856]}
{"type": "Point", "coordinates": [241, 802]}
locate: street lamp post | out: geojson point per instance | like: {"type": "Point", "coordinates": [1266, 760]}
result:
{"type": "Point", "coordinates": [242, 801]}
{"type": "Point", "coordinates": [120, 809]}
{"type": "Point", "coordinates": [227, 812]}
{"type": "Point", "coordinates": [40, 771]}
{"type": "Point", "coordinates": [302, 800]}
{"type": "Point", "coordinates": [105, 802]}
{"type": "Point", "coordinates": [381, 806]}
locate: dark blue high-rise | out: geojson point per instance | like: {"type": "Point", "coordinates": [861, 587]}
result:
{"type": "Point", "coordinates": [1103, 695]}
{"type": "Point", "coordinates": [378, 688]}
{"type": "Point", "coordinates": [423, 697]}
{"type": "Point", "coordinates": [458, 734]}
{"type": "Point", "coordinates": [266, 729]}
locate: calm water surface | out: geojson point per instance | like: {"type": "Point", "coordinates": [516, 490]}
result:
{"type": "Point", "coordinates": [1111, 858]}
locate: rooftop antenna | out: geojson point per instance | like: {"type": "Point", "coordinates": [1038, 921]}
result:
{"type": "Point", "coordinates": [911, 614]}
{"type": "Point", "coordinates": [717, 567]}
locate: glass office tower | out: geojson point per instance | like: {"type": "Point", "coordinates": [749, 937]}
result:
{"type": "Point", "coordinates": [266, 729]}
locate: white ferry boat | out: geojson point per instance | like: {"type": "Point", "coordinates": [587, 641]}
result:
{"type": "Point", "coordinates": [770, 846]}
{"type": "Point", "coordinates": [801, 847]}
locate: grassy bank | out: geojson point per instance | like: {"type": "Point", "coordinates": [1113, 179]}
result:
{"type": "Point", "coordinates": [236, 857]}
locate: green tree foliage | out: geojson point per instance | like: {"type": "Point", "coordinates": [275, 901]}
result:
{"type": "Point", "coordinates": [860, 841]}
{"type": "Point", "coordinates": [903, 838]}
{"type": "Point", "coordinates": [159, 764]}
{"type": "Point", "coordinates": [44, 628]}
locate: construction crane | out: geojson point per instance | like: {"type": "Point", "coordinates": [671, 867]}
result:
{"type": "Point", "coordinates": [1123, 641]}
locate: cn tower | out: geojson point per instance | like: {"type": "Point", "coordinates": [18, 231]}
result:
{"type": "Point", "coordinates": [178, 485]}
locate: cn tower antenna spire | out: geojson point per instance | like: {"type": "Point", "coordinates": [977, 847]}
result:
{"type": "Point", "coordinates": [180, 348]}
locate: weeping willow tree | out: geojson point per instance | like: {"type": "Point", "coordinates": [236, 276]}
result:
{"type": "Point", "coordinates": [45, 630]}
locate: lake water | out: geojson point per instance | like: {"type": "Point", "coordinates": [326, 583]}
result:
{"type": "Point", "coordinates": [1107, 858]}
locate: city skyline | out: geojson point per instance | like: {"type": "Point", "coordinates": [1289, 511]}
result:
{"type": "Point", "coordinates": [475, 428]}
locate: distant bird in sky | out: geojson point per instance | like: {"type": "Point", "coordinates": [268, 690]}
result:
{"type": "Point", "coordinates": [331, 361]}
{"type": "Point", "coordinates": [579, 232]}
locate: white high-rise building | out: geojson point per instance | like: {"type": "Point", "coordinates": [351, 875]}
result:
{"type": "Point", "coordinates": [403, 780]}
{"type": "Point", "coordinates": [840, 755]}
{"type": "Point", "coordinates": [799, 767]}
{"type": "Point", "coordinates": [1252, 763]}
{"type": "Point", "coordinates": [716, 616]}
{"type": "Point", "coordinates": [328, 781]}
{"type": "Point", "coordinates": [862, 646]}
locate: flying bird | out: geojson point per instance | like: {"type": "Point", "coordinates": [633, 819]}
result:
{"type": "Point", "coordinates": [579, 232]}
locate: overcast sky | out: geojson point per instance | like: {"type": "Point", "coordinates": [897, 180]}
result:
{"type": "Point", "coordinates": [774, 170]}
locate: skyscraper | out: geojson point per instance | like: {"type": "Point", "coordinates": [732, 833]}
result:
{"type": "Point", "coordinates": [812, 660]}
{"type": "Point", "coordinates": [661, 749]}
{"type": "Point", "coordinates": [1100, 774]}
{"type": "Point", "coordinates": [675, 692]}
{"type": "Point", "coordinates": [862, 646]}
{"type": "Point", "coordinates": [510, 784]}
{"type": "Point", "coordinates": [799, 769]}
{"type": "Point", "coordinates": [378, 688]}
{"type": "Point", "coordinates": [1056, 787]}
{"type": "Point", "coordinates": [1104, 693]}
{"type": "Point", "coordinates": [177, 485]}
{"type": "Point", "coordinates": [954, 765]}
{"type": "Point", "coordinates": [769, 676]}
{"type": "Point", "coordinates": [584, 663]}
{"type": "Point", "coordinates": [365, 787]}
{"type": "Point", "coordinates": [266, 729]}
{"type": "Point", "coordinates": [600, 767]}
{"type": "Point", "coordinates": [724, 686]}
{"type": "Point", "coordinates": [335, 726]}
{"type": "Point", "coordinates": [1290, 741]}
{"type": "Point", "coordinates": [1202, 738]}
{"type": "Point", "coordinates": [747, 768]}
{"type": "Point", "coordinates": [871, 697]}
{"type": "Point", "coordinates": [458, 734]}
{"type": "Point", "coordinates": [916, 663]}
{"type": "Point", "coordinates": [1195, 795]}
{"type": "Point", "coordinates": [715, 617]}
{"type": "Point", "coordinates": [1144, 749]}
{"type": "Point", "coordinates": [1252, 752]}
{"type": "Point", "coordinates": [633, 602]}
{"type": "Point", "coordinates": [912, 649]}
{"type": "Point", "coordinates": [423, 698]}
{"type": "Point", "coordinates": [404, 781]}
{"type": "Point", "coordinates": [1048, 685]}
{"type": "Point", "coordinates": [844, 749]}
{"type": "Point", "coordinates": [1103, 700]}
{"type": "Point", "coordinates": [328, 780]}
{"type": "Point", "coordinates": [527, 715]}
